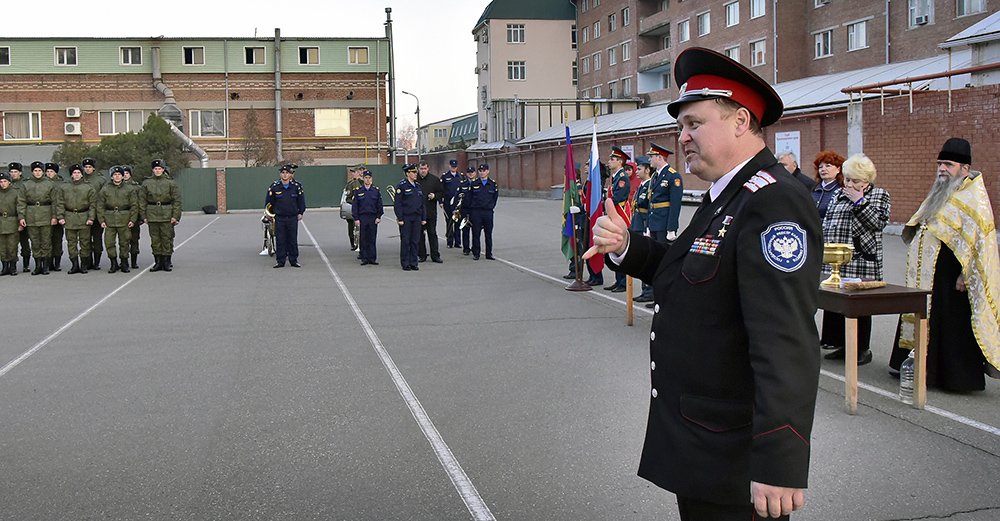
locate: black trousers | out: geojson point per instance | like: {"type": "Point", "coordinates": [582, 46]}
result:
{"type": "Point", "coordinates": [429, 236]}
{"type": "Point", "coordinates": [367, 236]}
{"type": "Point", "coordinates": [833, 331]}
{"type": "Point", "coordinates": [698, 510]}
{"type": "Point", "coordinates": [482, 222]}
{"type": "Point", "coordinates": [409, 236]}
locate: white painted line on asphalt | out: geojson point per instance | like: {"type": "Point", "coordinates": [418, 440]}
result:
{"type": "Point", "coordinates": [24, 356]}
{"type": "Point", "coordinates": [888, 394]}
{"type": "Point", "coordinates": [473, 501]}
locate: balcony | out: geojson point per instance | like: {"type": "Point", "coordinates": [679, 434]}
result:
{"type": "Point", "coordinates": [656, 24]}
{"type": "Point", "coordinates": [654, 60]}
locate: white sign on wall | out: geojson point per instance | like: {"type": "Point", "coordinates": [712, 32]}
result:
{"type": "Point", "coordinates": [628, 149]}
{"type": "Point", "coordinates": [788, 141]}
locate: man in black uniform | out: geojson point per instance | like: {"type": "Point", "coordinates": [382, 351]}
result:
{"type": "Point", "coordinates": [410, 216]}
{"type": "Point", "coordinates": [433, 195]}
{"type": "Point", "coordinates": [289, 203]}
{"type": "Point", "coordinates": [734, 364]}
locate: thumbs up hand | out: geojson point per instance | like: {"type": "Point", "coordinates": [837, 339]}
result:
{"type": "Point", "coordinates": [609, 232]}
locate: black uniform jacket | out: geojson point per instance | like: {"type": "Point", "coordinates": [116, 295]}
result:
{"type": "Point", "coordinates": [734, 364]}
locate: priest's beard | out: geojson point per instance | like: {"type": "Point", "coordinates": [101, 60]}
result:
{"type": "Point", "coordinates": [944, 187]}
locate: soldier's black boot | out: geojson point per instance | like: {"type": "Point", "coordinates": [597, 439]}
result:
{"type": "Point", "coordinates": [75, 268]}
{"type": "Point", "coordinates": [38, 267]}
{"type": "Point", "coordinates": [97, 261]}
{"type": "Point", "coordinates": [84, 261]}
{"type": "Point", "coordinates": [135, 261]}
{"type": "Point", "coordinates": [6, 269]}
{"type": "Point", "coordinates": [157, 263]}
{"type": "Point", "coordinates": [124, 265]}
{"type": "Point", "coordinates": [45, 265]}
{"type": "Point", "coordinates": [114, 265]}
{"type": "Point", "coordinates": [13, 268]}
{"type": "Point", "coordinates": [167, 265]}
{"type": "Point", "coordinates": [56, 261]}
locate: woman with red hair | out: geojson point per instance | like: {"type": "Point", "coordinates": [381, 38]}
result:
{"type": "Point", "coordinates": [828, 165]}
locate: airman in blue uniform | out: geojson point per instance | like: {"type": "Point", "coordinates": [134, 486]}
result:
{"type": "Point", "coordinates": [411, 215]}
{"type": "Point", "coordinates": [640, 213]}
{"type": "Point", "coordinates": [366, 208]}
{"type": "Point", "coordinates": [288, 201]}
{"type": "Point", "coordinates": [482, 200]}
{"type": "Point", "coordinates": [451, 180]}
{"type": "Point", "coordinates": [666, 189]}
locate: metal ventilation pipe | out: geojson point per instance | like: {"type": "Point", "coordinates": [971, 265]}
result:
{"type": "Point", "coordinates": [202, 155]}
{"type": "Point", "coordinates": [277, 92]}
{"type": "Point", "coordinates": [171, 113]}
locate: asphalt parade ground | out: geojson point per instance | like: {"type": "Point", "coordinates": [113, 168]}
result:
{"type": "Point", "coordinates": [228, 390]}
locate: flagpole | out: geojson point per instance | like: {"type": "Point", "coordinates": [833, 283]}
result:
{"type": "Point", "coordinates": [578, 284]}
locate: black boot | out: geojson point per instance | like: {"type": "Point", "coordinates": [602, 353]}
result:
{"type": "Point", "coordinates": [84, 264]}
{"type": "Point", "coordinates": [45, 265]}
{"type": "Point", "coordinates": [97, 261]}
{"type": "Point", "coordinates": [157, 263]}
{"type": "Point", "coordinates": [124, 265]}
{"type": "Point", "coordinates": [38, 267]}
{"type": "Point", "coordinates": [6, 269]}
{"type": "Point", "coordinates": [135, 261]}
{"type": "Point", "coordinates": [75, 268]}
{"type": "Point", "coordinates": [13, 268]}
{"type": "Point", "coordinates": [114, 265]}
{"type": "Point", "coordinates": [167, 265]}
{"type": "Point", "coordinates": [54, 263]}
{"type": "Point", "coordinates": [26, 260]}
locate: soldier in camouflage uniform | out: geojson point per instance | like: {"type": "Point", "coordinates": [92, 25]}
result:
{"type": "Point", "coordinates": [78, 211]}
{"type": "Point", "coordinates": [133, 242]}
{"type": "Point", "coordinates": [17, 182]}
{"type": "Point", "coordinates": [94, 177]}
{"type": "Point", "coordinates": [118, 211]}
{"type": "Point", "coordinates": [9, 226]}
{"type": "Point", "coordinates": [38, 214]}
{"type": "Point", "coordinates": [160, 207]}
{"type": "Point", "coordinates": [52, 172]}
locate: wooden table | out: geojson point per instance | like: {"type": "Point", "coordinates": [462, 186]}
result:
{"type": "Point", "coordinates": [889, 300]}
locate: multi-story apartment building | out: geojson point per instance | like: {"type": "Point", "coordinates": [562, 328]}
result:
{"type": "Point", "coordinates": [322, 99]}
{"type": "Point", "coordinates": [627, 47]}
{"type": "Point", "coordinates": [525, 50]}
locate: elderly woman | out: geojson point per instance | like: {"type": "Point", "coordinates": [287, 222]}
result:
{"type": "Point", "coordinates": [828, 164]}
{"type": "Point", "coordinates": [857, 214]}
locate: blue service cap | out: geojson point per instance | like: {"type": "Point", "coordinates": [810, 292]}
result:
{"type": "Point", "coordinates": [453, 162]}
{"type": "Point", "coordinates": [484, 166]}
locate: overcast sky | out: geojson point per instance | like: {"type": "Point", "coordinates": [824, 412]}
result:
{"type": "Point", "coordinates": [435, 52]}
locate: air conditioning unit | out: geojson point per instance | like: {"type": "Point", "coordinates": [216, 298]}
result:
{"type": "Point", "coordinates": [72, 112]}
{"type": "Point", "coordinates": [72, 128]}
{"type": "Point", "coordinates": [922, 20]}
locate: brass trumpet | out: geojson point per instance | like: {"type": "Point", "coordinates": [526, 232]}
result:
{"type": "Point", "coordinates": [391, 190]}
{"type": "Point", "coordinates": [456, 215]}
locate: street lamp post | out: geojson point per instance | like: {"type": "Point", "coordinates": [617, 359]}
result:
{"type": "Point", "coordinates": [418, 121]}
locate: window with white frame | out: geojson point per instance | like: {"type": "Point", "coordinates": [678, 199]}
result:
{"type": "Point", "coordinates": [664, 5]}
{"type": "Point", "coordinates": [597, 30]}
{"type": "Point", "coordinates": [920, 12]}
{"type": "Point", "coordinates": [758, 49]}
{"type": "Point", "coordinates": [857, 35]}
{"type": "Point", "coordinates": [440, 132]}
{"type": "Point", "coordinates": [597, 91]}
{"type": "Point", "coordinates": [732, 14]}
{"type": "Point", "coordinates": [131, 55]}
{"type": "Point", "coordinates": [704, 23]}
{"type": "Point", "coordinates": [683, 31]}
{"type": "Point", "coordinates": [572, 36]}
{"type": "Point", "coordinates": [516, 70]}
{"type": "Point", "coordinates": [357, 56]}
{"type": "Point", "coordinates": [757, 8]}
{"type": "Point", "coordinates": [333, 122]}
{"type": "Point", "coordinates": [665, 80]}
{"type": "Point", "coordinates": [597, 61]}
{"type": "Point", "coordinates": [583, 6]}
{"type": "Point", "coordinates": [823, 44]}
{"type": "Point", "coordinates": [194, 56]}
{"type": "Point", "coordinates": [626, 17]}
{"type": "Point", "coordinates": [254, 56]}
{"type": "Point", "coordinates": [65, 56]}
{"type": "Point", "coordinates": [585, 94]}
{"type": "Point", "coordinates": [111, 122]}
{"type": "Point", "coordinates": [820, 3]}
{"type": "Point", "coordinates": [22, 125]}
{"type": "Point", "coordinates": [586, 34]}
{"type": "Point", "coordinates": [207, 123]}
{"type": "Point", "coordinates": [665, 41]}
{"type": "Point", "coordinates": [612, 56]}
{"type": "Point", "coordinates": [626, 51]}
{"type": "Point", "coordinates": [4, 55]}
{"type": "Point", "coordinates": [576, 77]}
{"type": "Point", "coordinates": [597, 3]}
{"type": "Point", "coordinates": [733, 53]}
{"type": "Point", "coordinates": [308, 55]}
{"type": "Point", "coordinates": [612, 22]}
{"type": "Point", "coordinates": [965, 7]}
{"type": "Point", "coordinates": [627, 87]}
{"type": "Point", "coordinates": [612, 89]}
{"type": "Point", "coordinates": [585, 61]}
{"type": "Point", "coordinates": [515, 33]}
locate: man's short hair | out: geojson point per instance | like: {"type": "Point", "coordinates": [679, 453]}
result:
{"type": "Point", "coordinates": [423, 163]}
{"type": "Point", "coordinates": [787, 153]}
{"type": "Point", "coordinates": [731, 107]}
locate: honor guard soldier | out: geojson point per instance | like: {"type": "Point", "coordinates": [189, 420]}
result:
{"type": "Point", "coordinates": [640, 213]}
{"type": "Point", "coordinates": [17, 181]}
{"type": "Point", "coordinates": [160, 207]}
{"type": "Point", "coordinates": [734, 366]}
{"type": "Point", "coordinates": [38, 215]}
{"type": "Point", "coordinates": [118, 213]}
{"type": "Point", "coordinates": [133, 242]}
{"type": "Point", "coordinates": [352, 185]}
{"type": "Point", "coordinates": [450, 181]}
{"type": "Point", "coordinates": [482, 200]}
{"type": "Point", "coordinates": [411, 215]}
{"type": "Point", "coordinates": [9, 225]}
{"type": "Point", "coordinates": [463, 192]}
{"type": "Point", "coordinates": [367, 211]}
{"type": "Point", "coordinates": [92, 176]}
{"type": "Point", "coordinates": [665, 196]}
{"type": "Point", "coordinates": [52, 172]}
{"type": "Point", "coordinates": [288, 201]}
{"type": "Point", "coordinates": [77, 212]}
{"type": "Point", "coordinates": [619, 191]}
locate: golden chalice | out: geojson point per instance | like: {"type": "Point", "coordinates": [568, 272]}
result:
{"type": "Point", "coordinates": [835, 255]}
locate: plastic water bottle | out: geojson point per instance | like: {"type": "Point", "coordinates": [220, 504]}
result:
{"type": "Point", "coordinates": [906, 380]}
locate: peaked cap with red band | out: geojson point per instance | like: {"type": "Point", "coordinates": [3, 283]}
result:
{"type": "Point", "coordinates": [657, 149]}
{"type": "Point", "coordinates": [704, 74]}
{"type": "Point", "coordinates": [620, 154]}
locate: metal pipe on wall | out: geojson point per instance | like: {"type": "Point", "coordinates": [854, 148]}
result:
{"type": "Point", "coordinates": [277, 93]}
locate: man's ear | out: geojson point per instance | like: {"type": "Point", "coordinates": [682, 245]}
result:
{"type": "Point", "coordinates": [741, 119]}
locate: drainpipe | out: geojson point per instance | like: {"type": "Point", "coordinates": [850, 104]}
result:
{"type": "Point", "coordinates": [171, 113]}
{"type": "Point", "coordinates": [392, 87]}
{"type": "Point", "coordinates": [277, 92]}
